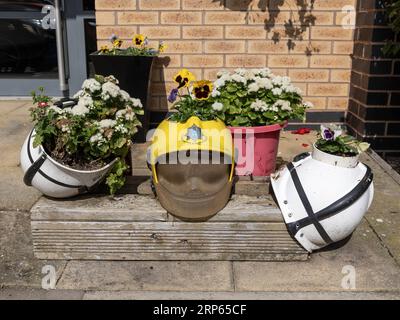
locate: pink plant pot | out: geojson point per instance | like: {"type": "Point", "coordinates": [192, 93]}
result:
{"type": "Point", "coordinates": [256, 149]}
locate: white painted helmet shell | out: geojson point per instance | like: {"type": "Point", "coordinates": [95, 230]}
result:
{"type": "Point", "coordinates": [325, 179]}
{"type": "Point", "coordinates": [52, 178]}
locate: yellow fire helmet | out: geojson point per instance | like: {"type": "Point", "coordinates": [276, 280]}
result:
{"type": "Point", "coordinates": [192, 165]}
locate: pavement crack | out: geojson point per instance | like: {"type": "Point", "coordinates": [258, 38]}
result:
{"type": "Point", "coordinates": [382, 242]}
{"type": "Point", "coordinates": [62, 272]}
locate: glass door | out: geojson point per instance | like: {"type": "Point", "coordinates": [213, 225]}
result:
{"type": "Point", "coordinates": [28, 51]}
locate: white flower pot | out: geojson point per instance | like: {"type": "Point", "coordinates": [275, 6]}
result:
{"type": "Point", "coordinates": [323, 197]}
{"type": "Point", "coordinates": [54, 179]}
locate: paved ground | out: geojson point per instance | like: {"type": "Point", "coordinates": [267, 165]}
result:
{"type": "Point", "coordinates": [373, 252]}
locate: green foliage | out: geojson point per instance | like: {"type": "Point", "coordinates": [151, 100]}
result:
{"type": "Point", "coordinates": [393, 15]}
{"type": "Point", "coordinates": [92, 133]}
{"type": "Point", "coordinates": [258, 98]}
{"type": "Point", "coordinates": [332, 140]}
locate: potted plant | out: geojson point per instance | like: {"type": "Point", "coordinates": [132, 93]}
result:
{"type": "Point", "coordinates": [318, 216]}
{"type": "Point", "coordinates": [257, 105]}
{"type": "Point", "coordinates": [71, 149]}
{"type": "Point", "coordinates": [132, 66]}
{"type": "Point", "coordinates": [191, 155]}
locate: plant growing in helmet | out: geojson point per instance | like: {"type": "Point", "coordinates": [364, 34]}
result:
{"type": "Point", "coordinates": [194, 99]}
{"type": "Point", "coordinates": [332, 140]}
{"type": "Point", "coordinates": [91, 134]}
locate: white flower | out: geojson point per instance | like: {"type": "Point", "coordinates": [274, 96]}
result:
{"type": "Point", "coordinates": [121, 128]}
{"type": "Point", "coordinates": [65, 128]}
{"type": "Point", "coordinates": [265, 73]}
{"type": "Point", "coordinates": [125, 95]}
{"type": "Point", "coordinates": [79, 94]}
{"type": "Point", "coordinates": [264, 83]}
{"type": "Point", "coordinates": [285, 105]}
{"type": "Point", "coordinates": [110, 90]}
{"type": "Point", "coordinates": [308, 104]}
{"type": "Point", "coordinates": [217, 106]}
{"type": "Point", "coordinates": [55, 109]}
{"type": "Point", "coordinates": [222, 73]}
{"type": "Point", "coordinates": [137, 103]}
{"type": "Point", "coordinates": [239, 78]}
{"type": "Point", "coordinates": [92, 85]}
{"type": "Point", "coordinates": [80, 109]}
{"type": "Point", "coordinates": [277, 91]}
{"type": "Point", "coordinates": [259, 105]}
{"type": "Point", "coordinates": [253, 87]}
{"type": "Point", "coordinates": [240, 71]}
{"type": "Point", "coordinates": [215, 93]}
{"type": "Point", "coordinates": [107, 123]}
{"type": "Point", "coordinates": [219, 83]}
{"type": "Point", "coordinates": [67, 110]}
{"type": "Point", "coordinates": [86, 100]}
{"type": "Point", "coordinates": [111, 79]}
{"type": "Point", "coordinates": [97, 139]}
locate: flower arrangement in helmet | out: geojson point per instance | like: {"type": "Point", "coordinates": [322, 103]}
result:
{"type": "Point", "coordinates": [332, 140]}
{"type": "Point", "coordinates": [195, 99]}
{"type": "Point", "coordinates": [257, 97]}
{"type": "Point", "coordinates": [140, 47]}
{"type": "Point", "coordinates": [94, 131]}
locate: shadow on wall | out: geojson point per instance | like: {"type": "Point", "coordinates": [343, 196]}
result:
{"type": "Point", "coordinates": [294, 28]}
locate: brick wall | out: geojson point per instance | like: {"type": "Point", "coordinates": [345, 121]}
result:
{"type": "Point", "coordinates": [208, 35]}
{"type": "Point", "coordinates": [374, 107]}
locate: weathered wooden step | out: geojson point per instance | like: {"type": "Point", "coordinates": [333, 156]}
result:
{"type": "Point", "coordinates": [136, 227]}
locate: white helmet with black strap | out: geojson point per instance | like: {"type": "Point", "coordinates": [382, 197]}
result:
{"type": "Point", "coordinates": [323, 199]}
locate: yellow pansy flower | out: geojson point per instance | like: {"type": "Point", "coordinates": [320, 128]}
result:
{"type": "Point", "coordinates": [202, 89]}
{"type": "Point", "coordinates": [139, 40]}
{"type": "Point", "coordinates": [184, 78]}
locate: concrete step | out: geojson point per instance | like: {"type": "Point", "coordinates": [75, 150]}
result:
{"type": "Point", "coordinates": [136, 227]}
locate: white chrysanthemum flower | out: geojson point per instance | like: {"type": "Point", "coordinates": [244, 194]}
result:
{"type": "Point", "coordinates": [125, 95]}
{"type": "Point", "coordinates": [215, 93]}
{"type": "Point", "coordinates": [253, 87]}
{"type": "Point", "coordinates": [80, 109]}
{"type": "Point", "coordinates": [240, 71]}
{"type": "Point", "coordinates": [238, 78]}
{"type": "Point", "coordinates": [259, 105]}
{"type": "Point", "coordinates": [80, 93]}
{"type": "Point", "coordinates": [121, 128]}
{"type": "Point", "coordinates": [107, 123]}
{"type": "Point", "coordinates": [277, 91]}
{"type": "Point", "coordinates": [264, 83]}
{"type": "Point", "coordinates": [110, 90]}
{"type": "Point", "coordinates": [219, 83]}
{"type": "Point", "coordinates": [283, 104]}
{"type": "Point", "coordinates": [222, 73]}
{"type": "Point", "coordinates": [265, 73]}
{"type": "Point", "coordinates": [97, 139]}
{"type": "Point", "coordinates": [92, 85]}
{"type": "Point", "coordinates": [137, 103]}
{"type": "Point", "coordinates": [217, 106]}
{"type": "Point", "coordinates": [112, 79]}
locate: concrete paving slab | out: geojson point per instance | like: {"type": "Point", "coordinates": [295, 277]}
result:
{"type": "Point", "coordinates": [40, 294]}
{"type": "Point", "coordinates": [147, 275]}
{"type": "Point", "coordinates": [18, 267]}
{"type": "Point", "coordinates": [8, 106]}
{"type": "Point", "coordinates": [14, 194]}
{"type": "Point", "coordinates": [375, 269]}
{"type": "Point", "coordinates": [173, 295]}
{"type": "Point", "coordinates": [384, 214]}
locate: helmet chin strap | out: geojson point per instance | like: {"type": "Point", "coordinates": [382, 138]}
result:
{"type": "Point", "coordinates": [333, 209]}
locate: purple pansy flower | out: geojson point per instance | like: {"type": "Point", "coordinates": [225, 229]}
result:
{"type": "Point", "coordinates": [173, 95]}
{"type": "Point", "coordinates": [330, 132]}
{"type": "Point", "coordinates": [113, 38]}
{"type": "Point", "coordinates": [328, 135]}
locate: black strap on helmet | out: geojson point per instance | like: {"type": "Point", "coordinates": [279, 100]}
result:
{"type": "Point", "coordinates": [333, 209]}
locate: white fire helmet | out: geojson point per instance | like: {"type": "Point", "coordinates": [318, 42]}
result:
{"type": "Point", "coordinates": [323, 197]}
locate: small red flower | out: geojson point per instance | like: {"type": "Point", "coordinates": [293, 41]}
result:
{"type": "Point", "coordinates": [302, 131]}
{"type": "Point", "coordinates": [42, 104]}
